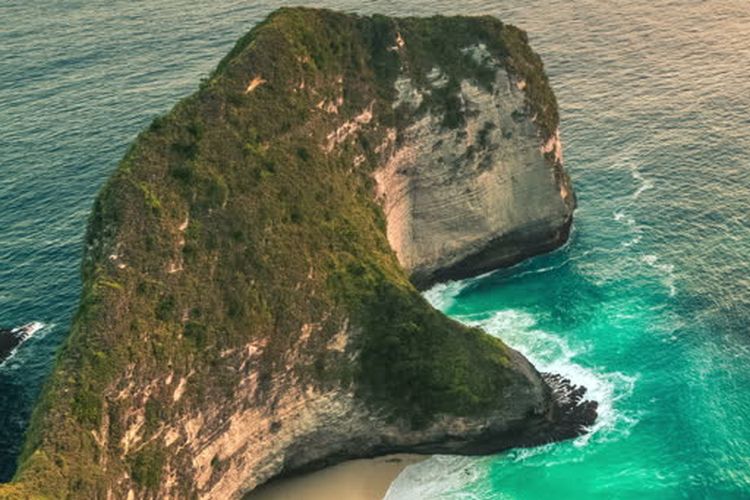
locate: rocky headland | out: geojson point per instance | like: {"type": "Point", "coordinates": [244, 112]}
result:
{"type": "Point", "coordinates": [251, 303]}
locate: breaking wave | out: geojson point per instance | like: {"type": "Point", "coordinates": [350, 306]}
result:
{"type": "Point", "coordinates": [551, 353]}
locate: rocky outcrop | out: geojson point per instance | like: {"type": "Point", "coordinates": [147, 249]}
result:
{"type": "Point", "coordinates": [11, 339]}
{"type": "Point", "coordinates": [249, 307]}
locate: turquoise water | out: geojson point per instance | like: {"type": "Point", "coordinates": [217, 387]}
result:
{"type": "Point", "coordinates": [648, 305]}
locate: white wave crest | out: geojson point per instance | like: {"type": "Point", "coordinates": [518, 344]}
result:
{"type": "Point", "coordinates": [441, 476]}
{"type": "Point", "coordinates": [551, 353]}
{"type": "Point", "coordinates": [442, 295]}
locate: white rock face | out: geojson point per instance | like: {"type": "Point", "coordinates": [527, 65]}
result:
{"type": "Point", "coordinates": [489, 193]}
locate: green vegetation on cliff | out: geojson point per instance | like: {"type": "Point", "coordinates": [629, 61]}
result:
{"type": "Point", "coordinates": [230, 223]}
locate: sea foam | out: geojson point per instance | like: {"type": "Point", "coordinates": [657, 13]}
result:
{"type": "Point", "coordinates": [440, 476]}
{"type": "Point", "coordinates": [443, 295]}
{"type": "Point", "coordinates": [552, 353]}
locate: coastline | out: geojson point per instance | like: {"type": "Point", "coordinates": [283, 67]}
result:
{"type": "Point", "coordinates": [361, 479]}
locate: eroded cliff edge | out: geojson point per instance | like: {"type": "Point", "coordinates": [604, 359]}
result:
{"type": "Point", "coordinates": [247, 307]}
{"type": "Point", "coordinates": [484, 192]}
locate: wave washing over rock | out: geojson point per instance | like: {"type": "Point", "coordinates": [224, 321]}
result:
{"type": "Point", "coordinates": [250, 306]}
{"type": "Point", "coordinates": [445, 476]}
{"type": "Point", "coordinates": [11, 339]}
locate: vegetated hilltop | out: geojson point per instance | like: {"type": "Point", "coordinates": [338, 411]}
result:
{"type": "Point", "coordinates": [249, 306]}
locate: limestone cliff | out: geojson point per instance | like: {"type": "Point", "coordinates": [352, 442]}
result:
{"type": "Point", "coordinates": [249, 306]}
{"type": "Point", "coordinates": [462, 201]}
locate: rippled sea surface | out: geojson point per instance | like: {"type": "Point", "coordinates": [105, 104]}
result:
{"type": "Point", "coordinates": [648, 305]}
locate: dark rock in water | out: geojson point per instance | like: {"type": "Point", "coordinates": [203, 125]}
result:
{"type": "Point", "coordinates": [576, 414]}
{"type": "Point", "coordinates": [8, 342]}
{"type": "Point", "coordinates": [10, 339]}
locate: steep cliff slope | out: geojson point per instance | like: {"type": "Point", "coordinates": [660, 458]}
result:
{"type": "Point", "coordinates": [243, 313]}
{"type": "Point", "coordinates": [483, 193]}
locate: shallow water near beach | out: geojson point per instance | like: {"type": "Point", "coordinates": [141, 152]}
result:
{"type": "Point", "coordinates": [648, 305]}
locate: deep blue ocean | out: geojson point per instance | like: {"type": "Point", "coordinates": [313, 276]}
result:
{"type": "Point", "coordinates": [648, 305]}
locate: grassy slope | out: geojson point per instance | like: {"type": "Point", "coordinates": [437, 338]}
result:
{"type": "Point", "coordinates": [280, 235]}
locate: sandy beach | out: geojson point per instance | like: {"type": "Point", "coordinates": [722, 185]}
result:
{"type": "Point", "coordinates": [366, 479]}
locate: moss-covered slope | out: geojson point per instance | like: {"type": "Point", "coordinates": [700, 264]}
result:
{"type": "Point", "coordinates": [240, 295]}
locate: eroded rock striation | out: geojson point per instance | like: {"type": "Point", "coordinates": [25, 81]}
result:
{"type": "Point", "coordinates": [250, 305]}
{"type": "Point", "coordinates": [464, 200]}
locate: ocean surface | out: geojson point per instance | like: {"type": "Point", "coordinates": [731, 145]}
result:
{"type": "Point", "coordinates": [648, 305]}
